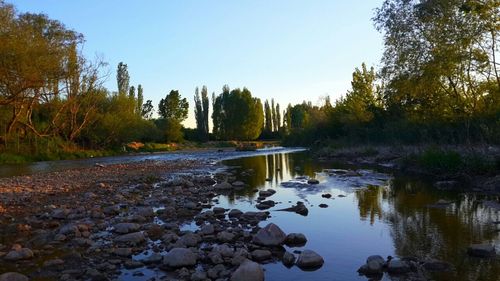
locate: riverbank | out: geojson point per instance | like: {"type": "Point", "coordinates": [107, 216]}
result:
{"type": "Point", "coordinates": [465, 168]}
{"type": "Point", "coordinates": [107, 221]}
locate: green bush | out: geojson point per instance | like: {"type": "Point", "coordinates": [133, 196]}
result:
{"type": "Point", "coordinates": [437, 160]}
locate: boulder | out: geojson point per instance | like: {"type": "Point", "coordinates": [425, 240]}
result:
{"type": "Point", "coordinates": [288, 259]}
{"type": "Point", "coordinates": [309, 260]}
{"type": "Point", "coordinates": [14, 276]}
{"type": "Point", "coordinates": [313, 181]}
{"type": "Point", "coordinates": [223, 186]}
{"type": "Point", "coordinates": [481, 250]}
{"type": "Point", "coordinates": [374, 265]}
{"type": "Point", "coordinates": [437, 265]}
{"type": "Point", "coordinates": [248, 271]}
{"type": "Point", "coordinates": [398, 266]}
{"type": "Point", "coordinates": [180, 257]}
{"type": "Point", "coordinates": [295, 239]}
{"type": "Point", "coordinates": [261, 255]}
{"type": "Point", "coordinates": [126, 227]}
{"type": "Point", "coordinates": [270, 235]}
{"type": "Point", "coordinates": [19, 254]}
{"type": "Point", "coordinates": [133, 238]}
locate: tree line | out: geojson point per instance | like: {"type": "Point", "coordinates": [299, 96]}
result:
{"type": "Point", "coordinates": [439, 82]}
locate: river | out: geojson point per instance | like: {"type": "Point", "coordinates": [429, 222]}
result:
{"type": "Point", "coordinates": [370, 212]}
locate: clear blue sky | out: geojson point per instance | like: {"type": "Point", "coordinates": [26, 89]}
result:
{"type": "Point", "coordinates": [289, 50]}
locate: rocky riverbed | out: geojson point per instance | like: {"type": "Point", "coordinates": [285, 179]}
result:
{"type": "Point", "coordinates": [127, 220]}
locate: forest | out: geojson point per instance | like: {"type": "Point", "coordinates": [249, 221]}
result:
{"type": "Point", "coordinates": [439, 83]}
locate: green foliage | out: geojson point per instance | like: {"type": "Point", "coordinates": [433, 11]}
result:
{"type": "Point", "coordinates": [172, 107]}
{"type": "Point", "coordinates": [201, 113]}
{"type": "Point", "coordinates": [437, 160]}
{"type": "Point", "coordinates": [237, 115]}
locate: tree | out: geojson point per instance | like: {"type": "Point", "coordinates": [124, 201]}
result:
{"type": "Point", "coordinates": [205, 107]}
{"type": "Point", "coordinates": [140, 100]}
{"type": "Point", "coordinates": [131, 93]}
{"type": "Point", "coordinates": [268, 118]}
{"type": "Point", "coordinates": [122, 79]}
{"type": "Point", "coordinates": [147, 110]}
{"type": "Point", "coordinates": [237, 115]}
{"type": "Point", "coordinates": [274, 124]}
{"type": "Point", "coordinates": [278, 117]}
{"type": "Point", "coordinates": [198, 114]}
{"type": "Point", "coordinates": [173, 109]}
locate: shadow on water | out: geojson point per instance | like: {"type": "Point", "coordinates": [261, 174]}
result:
{"type": "Point", "coordinates": [380, 214]}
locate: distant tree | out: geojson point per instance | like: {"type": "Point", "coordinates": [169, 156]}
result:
{"type": "Point", "coordinates": [198, 114]}
{"type": "Point", "coordinates": [147, 110]}
{"type": "Point", "coordinates": [131, 93]}
{"type": "Point", "coordinates": [205, 107]}
{"type": "Point", "coordinates": [237, 115]}
{"type": "Point", "coordinates": [140, 99]}
{"type": "Point", "coordinates": [278, 117]}
{"type": "Point", "coordinates": [174, 110]}
{"type": "Point", "coordinates": [268, 128]}
{"type": "Point", "coordinates": [274, 124]}
{"type": "Point", "coordinates": [123, 79]}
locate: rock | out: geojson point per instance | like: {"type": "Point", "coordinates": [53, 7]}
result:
{"type": "Point", "coordinates": [180, 257]}
{"type": "Point", "coordinates": [199, 276]}
{"type": "Point", "coordinates": [341, 195]}
{"type": "Point", "coordinates": [309, 260]}
{"type": "Point", "coordinates": [225, 236]}
{"type": "Point", "coordinates": [326, 195]}
{"type": "Point", "coordinates": [223, 186]}
{"type": "Point", "coordinates": [300, 209]}
{"type": "Point", "coordinates": [295, 239]}
{"type": "Point", "coordinates": [234, 213]}
{"type": "Point", "coordinates": [313, 181]}
{"type": "Point", "coordinates": [122, 252]}
{"type": "Point", "coordinates": [14, 276]}
{"type": "Point", "coordinates": [266, 193]}
{"type": "Point", "coordinates": [153, 258]}
{"type": "Point", "coordinates": [53, 262]}
{"type": "Point", "coordinates": [323, 205]}
{"type": "Point", "coordinates": [270, 235]}
{"type": "Point", "coordinates": [126, 227]}
{"type": "Point", "coordinates": [261, 255]}
{"type": "Point", "coordinates": [481, 250]}
{"type": "Point", "coordinates": [207, 229]}
{"type": "Point", "coordinates": [398, 266]}
{"type": "Point", "coordinates": [218, 210]}
{"type": "Point", "coordinates": [374, 265]}
{"type": "Point", "coordinates": [265, 204]}
{"type": "Point", "coordinates": [248, 271]}
{"type": "Point", "coordinates": [19, 254]}
{"type": "Point", "coordinates": [238, 184]}
{"type": "Point", "coordinates": [224, 250]}
{"type": "Point", "coordinates": [131, 264]}
{"type": "Point", "coordinates": [60, 214]}
{"type": "Point", "coordinates": [133, 238]}
{"type": "Point", "coordinates": [288, 259]}
{"type": "Point", "coordinates": [190, 239]}
{"type": "Point", "coordinates": [437, 265]}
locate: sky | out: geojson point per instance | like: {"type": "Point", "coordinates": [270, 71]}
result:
{"type": "Point", "coordinates": [289, 50]}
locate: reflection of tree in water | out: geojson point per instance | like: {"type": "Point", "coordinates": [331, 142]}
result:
{"type": "Point", "coordinates": [443, 233]}
{"type": "Point", "coordinates": [370, 202]}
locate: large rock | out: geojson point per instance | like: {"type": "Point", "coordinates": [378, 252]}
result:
{"type": "Point", "coordinates": [481, 250]}
{"type": "Point", "coordinates": [300, 209]}
{"type": "Point", "coordinates": [309, 260]}
{"type": "Point", "coordinates": [19, 254]}
{"type": "Point", "coordinates": [437, 265]}
{"type": "Point", "coordinates": [190, 239]}
{"type": "Point", "coordinates": [223, 186]}
{"type": "Point", "coordinates": [288, 259]}
{"type": "Point", "coordinates": [126, 227]}
{"type": "Point", "coordinates": [248, 271]}
{"type": "Point", "coordinates": [14, 276]}
{"type": "Point", "coordinates": [132, 238]}
{"type": "Point", "coordinates": [261, 255]}
{"type": "Point", "coordinates": [374, 265]}
{"type": "Point", "coordinates": [398, 266]}
{"type": "Point", "coordinates": [270, 235]}
{"type": "Point", "coordinates": [180, 257]}
{"type": "Point", "coordinates": [295, 239]}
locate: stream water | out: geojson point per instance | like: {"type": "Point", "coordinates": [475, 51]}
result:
{"type": "Point", "coordinates": [381, 214]}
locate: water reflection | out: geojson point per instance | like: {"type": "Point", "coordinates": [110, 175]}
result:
{"type": "Point", "coordinates": [381, 215]}
{"type": "Point", "coordinates": [370, 202]}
